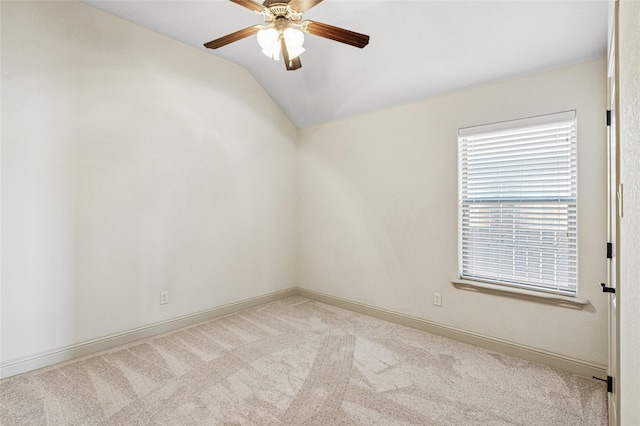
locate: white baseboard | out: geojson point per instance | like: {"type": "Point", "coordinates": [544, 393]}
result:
{"type": "Point", "coordinates": [572, 365]}
{"type": "Point", "coordinates": [45, 359]}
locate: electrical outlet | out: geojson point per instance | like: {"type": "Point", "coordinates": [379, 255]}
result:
{"type": "Point", "coordinates": [437, 299]}
{"type": "Point", "coordinates": [164, 297]}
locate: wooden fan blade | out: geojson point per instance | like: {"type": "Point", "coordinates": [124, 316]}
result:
{"type": "Point", "coordinates": [291, 64]}
{"type": "Point", "coordinates": [303, 5]}
{"type": "Point", "coordinates": [249, 5]}
{"type": "Point", "coordinates": [334, 33]}
{"type": "Point", "coordinates": [294, 64]}
{"type": "Point", "coordinates": [230, 38]}
{"type": "Point", "coordinates": [268, 3]}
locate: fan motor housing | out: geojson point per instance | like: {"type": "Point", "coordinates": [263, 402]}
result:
{"type": "Point", "coordinates": [280, 9]}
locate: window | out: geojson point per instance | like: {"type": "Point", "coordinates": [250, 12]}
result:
{"type": "Point", "coordinates": [518, 203]}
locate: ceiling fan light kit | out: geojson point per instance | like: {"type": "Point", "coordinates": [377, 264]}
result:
{"type": "Point", "coordinates": [269, 41]}
{"type": "Point", "coordinates": [283, 32]}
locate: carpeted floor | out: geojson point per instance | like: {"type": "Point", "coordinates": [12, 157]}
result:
{"type": "Point", "coordinates": [300, 362]}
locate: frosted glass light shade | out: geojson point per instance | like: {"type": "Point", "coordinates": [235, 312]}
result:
{"type": "Point", "coordinates": [273, 54]}
{"type": "Point", "coordinates": [268, 40]}
{"type": "Point", "coordinates": [294, 53]}
{"type": "Point", "coordinates": [294, 39]}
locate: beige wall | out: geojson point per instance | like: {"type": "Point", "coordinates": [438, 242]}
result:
{"type": "Point", "coordinates": [378, 211]}
{"type": "Point", "coordinates": [629, 289]}
{"type": "Point", "coordinates": [132, 164]}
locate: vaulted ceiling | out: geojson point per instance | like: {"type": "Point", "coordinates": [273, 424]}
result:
{"type": "Point", "coordinates": [417, 48]}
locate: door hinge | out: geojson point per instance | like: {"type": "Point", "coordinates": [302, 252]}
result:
{"type": "Point", "coordinates": [609, 250]}
{"type": "Point", "coordinates": [606, 289]}
{"type": "Point", "coordinates": [608, 117]}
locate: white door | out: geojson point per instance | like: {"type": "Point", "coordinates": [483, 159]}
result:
{"type": "Point", "coordinates": [613, 190]}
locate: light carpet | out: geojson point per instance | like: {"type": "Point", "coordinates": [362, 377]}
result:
{"type": "Point", "coordinates": [300, 362]}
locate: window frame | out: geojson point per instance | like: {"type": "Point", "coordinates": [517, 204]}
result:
{"type": "Point", "coordinates": [566, 290]}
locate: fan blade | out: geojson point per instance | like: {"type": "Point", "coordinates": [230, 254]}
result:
{"type": "Point", "coordinates": [334, 33]}
{"type": "Point", "coordinates": [294, 64]}
{"type": "Point", "coordinates": [303, 5]}
{"type": "Point", "coordinates": [291, 64]}
{"type": "Point", "coordinates": [230, 38]}
{"type": "Point", "coordinates": [250, 5]}
{"type": "Point", "coordinates": [268, 3]}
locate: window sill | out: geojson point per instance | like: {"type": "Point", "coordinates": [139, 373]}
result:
{"type": "Point", "coordinates": [537, 296]}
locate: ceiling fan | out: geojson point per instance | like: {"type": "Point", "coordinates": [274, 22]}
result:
{"type": "Point", "coordinates": [283, 30]}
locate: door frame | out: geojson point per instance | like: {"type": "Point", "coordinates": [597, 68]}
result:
{"type": "Point", "coordinates": [614, 211]}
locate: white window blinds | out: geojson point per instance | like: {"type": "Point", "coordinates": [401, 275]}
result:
{"type": "Point", "coordinates": [518, 203]}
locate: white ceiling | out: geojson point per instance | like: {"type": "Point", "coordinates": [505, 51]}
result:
{"type": "Point", "coordinates": [417, 48]}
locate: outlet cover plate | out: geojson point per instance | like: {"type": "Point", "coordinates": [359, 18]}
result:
{"type": "Point", "coordinates": [437, 299]}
